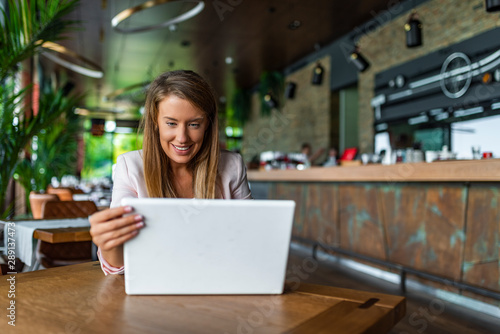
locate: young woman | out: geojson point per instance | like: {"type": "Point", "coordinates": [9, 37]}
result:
{"type": "Point", "coordinates": [180, 159]}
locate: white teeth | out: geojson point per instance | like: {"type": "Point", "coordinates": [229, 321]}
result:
{"type": "Point", "coordinates": [181, 148]}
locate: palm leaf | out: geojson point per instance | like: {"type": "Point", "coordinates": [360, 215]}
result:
{"type": "Point", "coordinates": [27, 25]}
{"type": "Point", "coordinates": [56, 142]}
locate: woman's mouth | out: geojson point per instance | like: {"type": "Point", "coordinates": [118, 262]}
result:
{"type": "Point", "coordinates": [182, 149]}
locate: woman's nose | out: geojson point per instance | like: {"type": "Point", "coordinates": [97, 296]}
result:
{"type": "Point", "coordinates": [182, 134]}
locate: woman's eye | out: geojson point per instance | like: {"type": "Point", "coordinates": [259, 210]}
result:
{"type": "Point", "coordinates": [194, 125]}
{"type": "Point", "coordinates": [170, 124]}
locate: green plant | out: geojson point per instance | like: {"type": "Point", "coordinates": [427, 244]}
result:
{"type": "Point", "coordinates": [26, 25]}
{"type": "Point", "coordinates": [53, 148]}
{"type": "Point", "coordinates": [272, 83]}
{"type": "Point", "coordinates": [241, 105]}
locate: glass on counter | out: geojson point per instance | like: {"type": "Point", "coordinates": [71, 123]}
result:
{"type": "Point", "coordinates": [271, 160]}
{"type": "Point", "coordinates": [370, 158]}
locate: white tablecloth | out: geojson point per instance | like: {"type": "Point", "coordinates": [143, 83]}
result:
{"type": "Point", "coordinates": [24, 241]}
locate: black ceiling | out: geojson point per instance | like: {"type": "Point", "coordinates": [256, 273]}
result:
{"type": "Point", "coordinates": [256, 34]}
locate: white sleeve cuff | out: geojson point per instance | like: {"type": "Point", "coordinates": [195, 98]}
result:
{"type": "Point", "coordinates": [107, 268]}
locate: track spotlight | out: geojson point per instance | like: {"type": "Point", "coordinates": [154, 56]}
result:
{"type": "Point", "coordinates": [492, 5]}
{"type": "Point", "coordinates": [270, 101]}
{"type": "Point", "coordinates": [290, 90]}
{"type": "Point", "coordinates": [317, 77]}
{"type": "Point", "coordinates": [358, 60]}
{"type": "Point", "coordinates": [413, 28]}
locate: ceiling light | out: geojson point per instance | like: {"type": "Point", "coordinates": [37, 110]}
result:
{"type": "Point", "coordinates": [492, 5]}
{"type": "Point", "coordinates": [358, 60]}
{"type": "Point", "coordinates": [270, 101]}
{"type": "Point", "coordinates": [116, 93]}
{"type": "Point", "coordinates": [294, 25]}
{"type": "Point", "coordinates": [413, 28]}
{"type": "Point", "coordinates": [81, 111]}
{"type": "Point", "coordinates": [95, 71]}
{"type": "Point", "coordinates": [125, 14]}
{"type": "Point", "coordinates": [172, 27]}
{"type": "Point", "coordinates": [290, 90]}
{"type": "Point", "coordinates": [317, 77]}
{"type": "Point", "coordinates": [98, 110]}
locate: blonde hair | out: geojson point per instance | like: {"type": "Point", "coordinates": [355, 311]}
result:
{"type": "Point", "coordinates": [192, 87]}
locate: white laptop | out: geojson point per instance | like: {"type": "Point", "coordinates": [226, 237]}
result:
{"type": "Point", "coordinates": [192, 246]}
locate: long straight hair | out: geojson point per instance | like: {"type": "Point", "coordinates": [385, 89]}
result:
{"type": "Point", "coordinates": [192, 87]}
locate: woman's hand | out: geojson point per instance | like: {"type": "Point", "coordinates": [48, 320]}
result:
{"type": "Point", "coordinates": [110, 229]}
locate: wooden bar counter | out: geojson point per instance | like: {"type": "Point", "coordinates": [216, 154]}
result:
{"type": "Point", "coordinates": [441, 218]}
{"type": "Point", "coordinates": [441, 171]}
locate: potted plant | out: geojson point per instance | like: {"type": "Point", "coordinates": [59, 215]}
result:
{"type": "Point", "coordinates": [24, 28]}
{"type": "Point", "coordinates": [52, 150]}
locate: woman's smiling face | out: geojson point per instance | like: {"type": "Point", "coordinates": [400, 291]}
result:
{"type": "Point", "coordinates": [181, 128]}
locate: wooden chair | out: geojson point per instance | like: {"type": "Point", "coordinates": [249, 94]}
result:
{"type": "Point", "coordinates": [67, 209]}
{"type": "Point", "coordinates": [66, 253]}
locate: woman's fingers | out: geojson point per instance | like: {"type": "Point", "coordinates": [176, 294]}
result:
{"type": "Point", "coordinates": [117, 241]}
{"type": "Point", "coordinates": [118, 230]}
{"type": "Point", "coordinates": [108, 214]}
{"type": "Point", "coordinates": [122, 230]}
{"type": "Point", "coordinates": [109, 228]}
{"type": "Point", "coordinates": [115, 224]}
{"type": "Point", "coordinates": [115, 238]}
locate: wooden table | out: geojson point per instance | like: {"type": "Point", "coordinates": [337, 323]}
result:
{"type": "Point", "coordinates": [66, 234]}
{"type": "Point", "coordinates": [80, 299]}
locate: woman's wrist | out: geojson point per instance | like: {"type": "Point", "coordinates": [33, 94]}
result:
{"type": "Point", "coordinates": [113, 257]}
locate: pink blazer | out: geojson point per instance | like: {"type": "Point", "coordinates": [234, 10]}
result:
{"type": "Point", "coordinates": [128, 177]}
{"type": "Point", "coordinates": [128, 181]}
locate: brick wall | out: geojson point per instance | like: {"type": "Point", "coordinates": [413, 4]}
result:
{"type": "Point", "coordinates": [306, 118]}
{"type": "Point", "coordinates": [445, 22]}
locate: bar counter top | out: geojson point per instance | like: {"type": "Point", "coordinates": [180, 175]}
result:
{"type": "Point", "coordinates": [439, 171]}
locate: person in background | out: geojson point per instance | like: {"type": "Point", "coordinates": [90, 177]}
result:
{"type": "Point", "coordinates": [332, 158]}
{"type": "Point", "coordinates": [180, 158]}
{"type": "Point", "coordinates": [311, 157]}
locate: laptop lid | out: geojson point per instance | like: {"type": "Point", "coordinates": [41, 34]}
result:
{"type": "Point", "coordinates": [192, 246]}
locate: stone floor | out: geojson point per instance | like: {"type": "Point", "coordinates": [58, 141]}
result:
{"type": "Point", "coordinates": [425, 313]}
